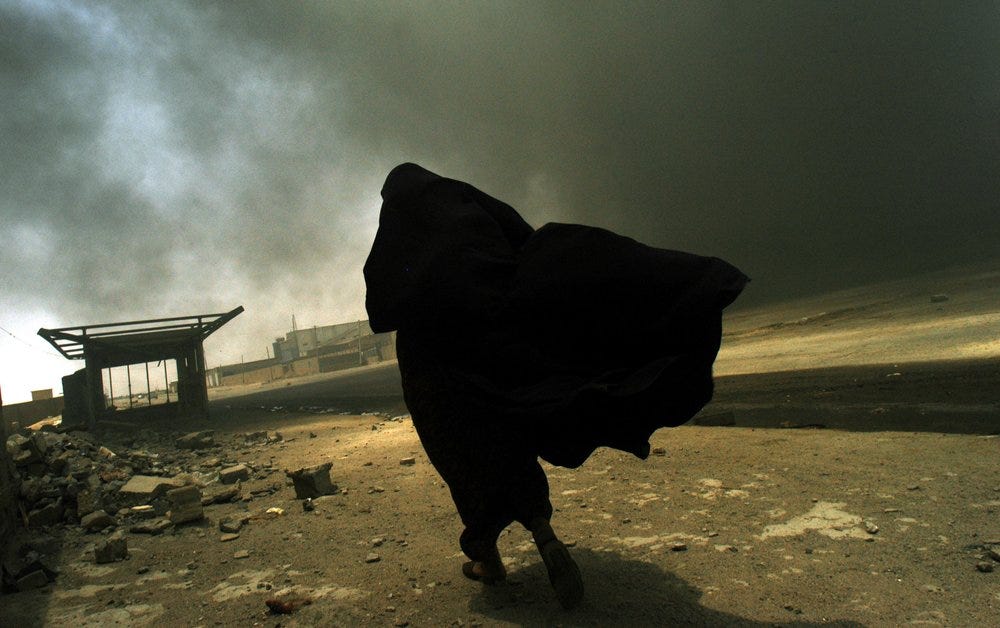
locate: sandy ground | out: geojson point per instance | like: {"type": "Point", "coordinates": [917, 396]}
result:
{"type": "Point", "coordinates": [875, 512]}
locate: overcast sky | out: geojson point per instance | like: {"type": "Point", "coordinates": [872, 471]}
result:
{"type": "Point", "coordinates": [173, 158]}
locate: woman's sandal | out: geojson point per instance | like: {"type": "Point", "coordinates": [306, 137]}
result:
{"type": "Point", "coordinates": [563, 572]}
{"type": "Point", "coordinates": [489, 576]}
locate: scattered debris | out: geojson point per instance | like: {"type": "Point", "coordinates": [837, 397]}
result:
{"type": "Point", "coordinates": [97, 520]}
{"type": "Point", "coordinates": [111, 549]}
{"type": "Point", "coordinates": [185, 505]}
{"type": "Point", "coordinates": [233, 474]}
{"type": "Point", "coordinates": [984, 566]}
{"type": "Point", "coordinates": [197, 440]}
{"type": "Point", "coordinates": [372, 558]}
{"type": "Point", "coordinates": [311, 482]}
{"type": "Point", "coordinates": [286, 606]}
{"type": "Point", "coordinates": [408, 462]}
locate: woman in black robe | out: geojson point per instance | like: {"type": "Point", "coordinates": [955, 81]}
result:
{"type": "Point", "coordinates": [516, 343]}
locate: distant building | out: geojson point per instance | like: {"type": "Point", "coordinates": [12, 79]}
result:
{"type": "Point", "coordinates": [38, 395]}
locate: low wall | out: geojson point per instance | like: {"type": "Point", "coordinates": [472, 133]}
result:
{"type": "Point", "coordinates": [32, 411]}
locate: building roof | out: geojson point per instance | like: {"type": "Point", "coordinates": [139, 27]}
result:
{"type": "Point", "coordinates": [129, 342]}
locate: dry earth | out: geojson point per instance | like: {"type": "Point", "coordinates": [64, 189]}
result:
{"type": "Point", "coordinates": [880, 519]}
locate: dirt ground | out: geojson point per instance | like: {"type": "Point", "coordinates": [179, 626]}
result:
{"type": "Point", "coordinates": [856, 483]}
{"type": "Point", "coordinates": [729, 526]}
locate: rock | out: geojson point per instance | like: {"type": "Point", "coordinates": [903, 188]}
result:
{"type": "Point", "coordinates": [197, 440]}
{"type": "Point", "coordinates": [229, 536]}
{"type": "Point", "coordinates": [939, 298]}
{"type": "Point", "coordinates": [871, 528]}
{"type": "Point", "coordinates": [308, 505]}
{"type": "Point", "coordinates": [236, 473]}
{"type": "Point", "coordinates": [407, 462]}
{"type": "Point", "coordinates": [47, 515]}
{"type": "Point", "coordinates": [231, 526]}
{"type": "Point", "coordinates": [678, 547]}
{"type": "Point", "coordinates": [658, 451]}
{"type": "Point", "coordinates": [994, 554]}
{"type": "Point", "coordinates": [984, 566]}
{"type": "Point", "coordinates": [88, 500]}
{"type": "Point", "coordinates": [111, 549]}
{"type": "Point", "coordinates": [220, 495]}
{"type": "Point", "coordinates": [142, 488]}
{"type": "Point", "coordinates": [311, 482]}
{"type": "Point", "coordinates": [241, 554]}
{"type": "Point", "coordinates": [97, 520]}
{"type": "Point", "coordinates": [372, 558]}
{"type": "Point", "coordinates": [34, 580]}
{"type": "Point", "coordinates": [153, 526]}
{"type": "Point", "coordinates": [185, 505]}
{"type": "Point", "coordinates": [378, 540]}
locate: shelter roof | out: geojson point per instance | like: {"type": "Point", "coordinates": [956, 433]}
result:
{"type": "Point", "coordinates": [128, 342]}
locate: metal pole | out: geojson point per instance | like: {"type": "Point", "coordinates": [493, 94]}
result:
{"type": "Point", "coordinates": [128, 372]}
{"type": "Point", "coordinates": [111, 387]}
{"type": "Point", "coordinates": [149, 397]}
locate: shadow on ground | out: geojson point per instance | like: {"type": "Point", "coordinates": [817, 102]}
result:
{"type": "Point", "coordinates": [619, 592]}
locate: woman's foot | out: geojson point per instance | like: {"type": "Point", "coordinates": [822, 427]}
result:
{"type": "Point", "coordinates": [563, 572]}
{"type": "Point", "coordinates": [489, 571]}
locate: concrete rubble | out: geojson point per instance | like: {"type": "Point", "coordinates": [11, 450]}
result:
{"type": "Point", "coordinates": [140, 483]}
{"type": "Point", "coordinates": [312, 482]}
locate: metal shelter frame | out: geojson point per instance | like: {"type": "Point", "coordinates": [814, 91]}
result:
{"type": "Point", "coordinates": [108, 345]}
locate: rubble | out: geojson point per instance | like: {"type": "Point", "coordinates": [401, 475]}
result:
{"type": "Point", "coordinates": [97, 520]}
{"type": "Point", "coordinates": [185, 505]}
{"type": "Point", "coordinates": [197, 440]}
{"type": "Point", "coordinates": [143, 488]}
{"type": "Point", "coordinates": [111, 549]}
{"type": "Point", "coordinates": [408, 462]}
{"type": "Point", "coordinates": [233, 474]}
{"type": "Point", "coordinates": [312, 482]}
{"type": "Point", "coordinates": [152, 526]}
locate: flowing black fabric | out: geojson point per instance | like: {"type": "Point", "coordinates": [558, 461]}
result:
{"type": "Point", "coordinates": [570, 337]}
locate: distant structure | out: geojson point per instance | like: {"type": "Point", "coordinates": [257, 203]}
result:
{"type": "Point", "coordinates": [318, 349]}
{"type": "Point", "coordinates": [108, 345]}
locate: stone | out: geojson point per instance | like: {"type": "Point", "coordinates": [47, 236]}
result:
{"type": "Point", "coordinates": [241, 554]}
{"type": "Point", "coordinates": [47, 515]}
{"type": "Point", "coordinates": [97, 520]}
{"type": "Point", "coordinates": [372, 558]}
{"type": "Point", "coordinates": [88, 500]}
{"type": "Point", "coordinates": [231, 526]}
{"type": "Point", "coordinates": [197, 440]}
{"type": "Point", "coordinates": [871, 528]}
{"type": "Point", "coordinates": [678, 547]}
{"type": "Point", "coordinates": [34, 580]}
{"type": "Point", "coordinates": [658, 451]}
{"type": "Point", "coordinates": [994, 554]}
{"type": "Point", "coordinates": [185, 505]}
{"type": "Point", "coordinates": [111, 549]}
{"type": "Point", "coordinates": [229, 536]}
{"type": "Point", "coordinates": [408, 462]}
{"type": "Point", "coordinates": [142, 488]}
{"type": "Point", "coordinates": [152, 526]}
{"type": "Point", "coordinates": [311, 482]}
{"type": "Point", "coordinates": [236, 473]}
{"type": "Point", "coordinates": [220, 495]}
{"type": "Point", "coordinates": [984, 566]}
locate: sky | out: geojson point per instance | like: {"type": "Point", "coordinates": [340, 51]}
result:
{"type": "Point", "coordinates": [175, 158]}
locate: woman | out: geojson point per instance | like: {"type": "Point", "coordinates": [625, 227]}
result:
{"type": "Point", "coordinates": [516, 344]}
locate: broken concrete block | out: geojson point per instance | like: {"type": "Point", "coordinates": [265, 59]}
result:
{"type": "Point", "coordinates": [197, 440]}
{"type": "Point", "coordinates": [142, 488]}
{"type": "Point", "coordinates": [236, 473]}
{"type": "Point", "coordinates": [220, 495]}
{"type": "Point", "coordinates": [34, 580]}
{"type": "Point", "coordinates": [97, 520]}
{"type": "Point", "coordinates": [185, 505]}
{"type": "Point", "coordinates": [153, 526]}
{"type": "Point", "coordinates": [88, 500]}
{"type": "Point", "coordinates": [111, 549]}
{"type": "Point", "coordinates": [312, 481]}
{"type": "Point", "coordinates": [47, 515]}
